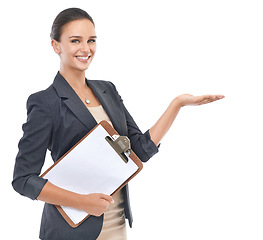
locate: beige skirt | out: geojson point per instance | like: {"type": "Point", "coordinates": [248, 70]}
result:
{"type": "Point", "coordinates": [114, 226]}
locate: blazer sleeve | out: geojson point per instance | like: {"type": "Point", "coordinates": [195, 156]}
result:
{"type": "Point", "coordinates": [32, 148]}
{"type": "Point", "coordinates": [141, 143]}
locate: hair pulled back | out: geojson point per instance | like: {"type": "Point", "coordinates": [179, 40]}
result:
{"type": "Point", "coordinates": [66, 16]}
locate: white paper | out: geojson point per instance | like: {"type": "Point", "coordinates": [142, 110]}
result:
{"type": "Point", "coordinates": [92, 166]}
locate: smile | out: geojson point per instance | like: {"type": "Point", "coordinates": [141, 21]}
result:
{"type": "Point", "coordinates": [84, 58]}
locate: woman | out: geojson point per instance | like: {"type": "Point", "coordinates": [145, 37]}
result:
{"type": "Point", "coordinates": [61, 115]}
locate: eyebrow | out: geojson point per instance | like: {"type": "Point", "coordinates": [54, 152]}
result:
{"type": "Point", "coordinates": [81, 37]}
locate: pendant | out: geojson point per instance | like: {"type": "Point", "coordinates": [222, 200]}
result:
{"type": "Point", "coordinates": [87, 101]}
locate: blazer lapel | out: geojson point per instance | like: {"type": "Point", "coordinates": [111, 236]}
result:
{"type": "Point", "coordinates": [74, 103]}
{"type": "Point", "coordinates": [106, 101]}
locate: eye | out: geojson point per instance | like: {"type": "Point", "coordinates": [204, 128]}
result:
{"type": "Point", "coordinates": [92, 41]}
{"type": "Point", "coordinates": [75, 41]}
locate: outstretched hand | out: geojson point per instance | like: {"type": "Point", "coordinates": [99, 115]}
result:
{"type": "Point", "coordinates": [187, 99]}
{"type": "Point", "coordinates": [159, 129]}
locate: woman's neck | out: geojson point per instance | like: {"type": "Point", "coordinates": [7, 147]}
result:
{"type": "Point", "coordinates": [76, 79]}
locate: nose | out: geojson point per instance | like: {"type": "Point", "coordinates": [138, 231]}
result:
{"type": "Point", "coordinates": [85, 48]}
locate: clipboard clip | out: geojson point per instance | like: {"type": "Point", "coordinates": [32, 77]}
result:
{"type": "Point", "coordinates": [121, 144]}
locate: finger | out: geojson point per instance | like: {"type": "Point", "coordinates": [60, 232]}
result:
{"type": "Point", "coordinates": [217, 97]}
{"type": "Point", "coordinates": [209, 98]}
{"type": "Point", "coordinates": [107, 198]}
{"type": "Point", "coordinates": [212, 97]}
{"type": "Point", "coordinates": [203, 99]}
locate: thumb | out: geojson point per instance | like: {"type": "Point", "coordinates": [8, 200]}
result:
{"type": "Point", "coordinates": [107, 198]}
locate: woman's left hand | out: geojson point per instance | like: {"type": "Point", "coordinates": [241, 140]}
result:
{"type": "Point", "coordinates": [187, 99]}
{"type": "Point", "coordinates": [164, 123]}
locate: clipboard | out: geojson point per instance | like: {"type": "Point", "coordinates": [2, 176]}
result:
{"type": "Point", "coordinates": [101, 162]}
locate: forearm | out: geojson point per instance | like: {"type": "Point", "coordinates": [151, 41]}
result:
{"type": "Point", "coordinates": [161, 127]}
{"type": "Point", "coordinates": [94, 204]}
{"type": "Point", "coordinates": [58, 196]}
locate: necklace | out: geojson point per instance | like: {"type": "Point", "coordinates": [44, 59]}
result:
{"type": "Point", "coordinates": [86, 99]}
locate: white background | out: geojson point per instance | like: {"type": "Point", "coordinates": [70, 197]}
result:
{"type": "Point", "coordinates": [206, 181]}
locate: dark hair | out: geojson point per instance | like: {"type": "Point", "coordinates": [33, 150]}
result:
{"type": "Point", "coordinates": [66, 16]}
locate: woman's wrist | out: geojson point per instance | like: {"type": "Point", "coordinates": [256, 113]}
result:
{"type": "Point", "coordinates": [177, 103]}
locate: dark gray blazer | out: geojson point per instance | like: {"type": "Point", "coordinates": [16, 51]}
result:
{"type": "Point", "coordinates": [57, 119]}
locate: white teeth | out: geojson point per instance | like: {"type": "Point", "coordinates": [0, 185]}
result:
{"type": "Point", "coordinates": [84, 58]}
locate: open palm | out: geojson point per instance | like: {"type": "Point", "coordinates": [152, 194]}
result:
{"type": "Point", "coordinates": [188, 99]}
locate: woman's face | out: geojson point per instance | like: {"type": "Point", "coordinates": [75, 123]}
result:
{"type": "Point", "coordinates": [77, 45]}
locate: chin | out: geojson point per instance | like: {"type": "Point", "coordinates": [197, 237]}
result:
{"type": "Point", "coordinates": [82, 66]}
